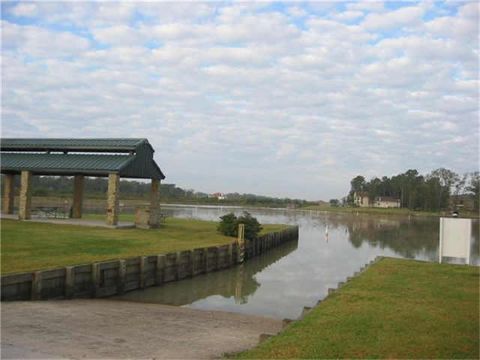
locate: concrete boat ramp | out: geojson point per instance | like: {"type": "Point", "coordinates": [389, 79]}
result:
{"type": "Point", "coordinates": [118, 329]}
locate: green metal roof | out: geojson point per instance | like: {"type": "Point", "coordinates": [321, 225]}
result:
{"type": "Point", "coordinates": [79, 145]}
{"type": "Point", "coordinates": [23, 154]}
{"type": "Point", "coordinates": [64, 162]}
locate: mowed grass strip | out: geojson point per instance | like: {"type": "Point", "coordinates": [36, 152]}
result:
{"type": "Point", "coordinates": [395, 309]}
{"type": "Point", "coordinates": [386, 211]}
{"type": "Point", "coordinates": [28, 246]}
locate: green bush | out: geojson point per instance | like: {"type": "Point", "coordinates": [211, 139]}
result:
{"type": "Point", "coordinates": [229, 225]}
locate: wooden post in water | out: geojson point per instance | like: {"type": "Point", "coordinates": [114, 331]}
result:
{"type": "Point", "coordinates": [241, 243]}
{"type": "Point", "coordinates": [239, 284]}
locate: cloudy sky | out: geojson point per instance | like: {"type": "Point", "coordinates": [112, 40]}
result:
{"type": "Point", "coordinates": [285, 99]}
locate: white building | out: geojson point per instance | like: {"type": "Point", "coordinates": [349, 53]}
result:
{"type": "Point", "coordinates": [361, 199]}
{"type": "Point", "coordinates": [386, 202]}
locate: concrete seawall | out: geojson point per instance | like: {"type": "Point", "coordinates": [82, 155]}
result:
{"type": "Point", "coordinates": [114, 277]}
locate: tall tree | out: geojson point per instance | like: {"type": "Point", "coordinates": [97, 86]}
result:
{"type": "Point", "coordinates": [374, 188]}
{"type": "Point", "coordinates": [446, 179]}
{"type": "Point", "coordinates": [474, 188]}
{"type": "Point", "coordinates": [358, 183]}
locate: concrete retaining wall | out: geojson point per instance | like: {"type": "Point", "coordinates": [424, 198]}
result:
{"type": "Point", "coordinates": [118, 276]}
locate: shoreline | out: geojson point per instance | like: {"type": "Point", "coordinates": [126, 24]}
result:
{"type": "Point", "coordinates": [131, 203]}
{"type": "Point", "coordinates": [396, 308]}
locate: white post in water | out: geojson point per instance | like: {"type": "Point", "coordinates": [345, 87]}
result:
{"type": "Point", "coordinates": [455, 237]}
{"type": "Point", "coordinates": [241, 243]}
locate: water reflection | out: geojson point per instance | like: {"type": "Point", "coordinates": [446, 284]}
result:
{"type": "Point", "coordinates": [330, 248]}
{"type": "Point", "coordinates": [408, 238]}
{"type": "Point", "coordinates": [400, 236]}
{"type": "Point", "coordinates": [237, 283]}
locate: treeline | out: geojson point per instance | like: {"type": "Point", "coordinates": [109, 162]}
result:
{"type": "Point", "coordinates": [97, 188]}
{"type": "Point", "coordinates": [439, 190]}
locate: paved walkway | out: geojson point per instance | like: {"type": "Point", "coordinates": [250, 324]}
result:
{"type": "Point", "coordinates": [118, 329]}
{"type": "Point", "coordinates": [81, 222]}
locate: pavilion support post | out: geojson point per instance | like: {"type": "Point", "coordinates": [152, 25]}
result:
{"type": "Point", "coordinates": [8, 193]}
{"type": "Point", "coordinates": [112, 198]}
{"type": "Point", "coordinates": [78, 184]}
{"type": "Point", "coordinates": [24, 211]}
{"type": "Point", "coordinates": [154, 203]}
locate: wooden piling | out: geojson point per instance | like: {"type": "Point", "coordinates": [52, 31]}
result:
{"type": "Point", "coordinates": [69, 282]}
{"type": "Point", "coordinates": [178, 257]}
{"type": "Point", "coordinates": [241, 243]}
{"type": "Point", "coordinates": [160, 270]}
{"type": "Point", "coordinates": [122, 276]}
{"type": "Point", "coordinates": [143, 264]}
{"type": "Point", "coordinates": [37, 285]}
{"type": "Point", "coordinates": [95, 279]}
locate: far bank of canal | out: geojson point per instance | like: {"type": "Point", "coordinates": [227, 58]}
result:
{"type": "Point", "coordinates": [279, 284]}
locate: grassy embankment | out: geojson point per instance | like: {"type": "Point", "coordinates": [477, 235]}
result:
{"type": "Point", "coordinates": [388, 211]}
{"type": "Point", "coordinates": [395, 309]}
{"type": "Point", "coordinates": [27, 246]}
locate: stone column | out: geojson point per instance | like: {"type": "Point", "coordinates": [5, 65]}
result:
{"type": "Point", "coordinates": [24, 210]}
{"type": "Point", "coordinates": [112, 199]}
{"type": "Point", "coordinates": [8, 193]}
{"type": "Point", "coordinates": [78, 183]}
{"type": "Point", "coordinates": [154, 203]}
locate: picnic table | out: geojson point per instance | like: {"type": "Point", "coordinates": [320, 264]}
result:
{"type": "Point", "coordinates": [51, 211]}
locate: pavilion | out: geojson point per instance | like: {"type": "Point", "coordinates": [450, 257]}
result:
{"type": "Point", "coordinates": [112, 158]}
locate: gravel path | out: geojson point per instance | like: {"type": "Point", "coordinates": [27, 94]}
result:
{"type": "Point", "coordinates": [118, 329]}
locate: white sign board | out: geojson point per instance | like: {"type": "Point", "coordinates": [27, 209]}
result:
{"type": "Point", "coordinates": [455, 235]}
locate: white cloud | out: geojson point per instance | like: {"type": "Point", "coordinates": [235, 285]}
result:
{"type": "Point", "coordinates": [118, 35]}
{"type": "Point", "coordinates": [405, 16]}
{"type": "Point", "coordinates": [296, 11]}
{"type": "Point", "coordinates": [38, 42]}
{"type": "Point", "coordinates": [348, 15]}
{"type": "Point", "coordinates": [458, 28]}
{"type": "Point", "coordinates": [370, 6]}
{"type": "Point", "coordinates": [25, 10]}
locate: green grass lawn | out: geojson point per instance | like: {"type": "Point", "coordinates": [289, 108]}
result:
{"type": "Point", "coordinates": [395, 309]}
{"type": "Point", "coordinates": [27, 246]}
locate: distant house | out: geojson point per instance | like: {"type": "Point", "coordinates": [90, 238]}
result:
{"type": "Point", "coordinates": [464, 201]}
{"type": "Point", "coordinates": [386, 202]}
{"type": "Point", "coordinates": [218, 196]}
{"type": "Point", "coordinates": [361, 199]}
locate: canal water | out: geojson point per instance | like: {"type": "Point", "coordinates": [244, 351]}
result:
{"type": "Point", "coordinates": [280, 283]}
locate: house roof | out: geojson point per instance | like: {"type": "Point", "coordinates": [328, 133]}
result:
{"type": "Point", "coordinates": [77, 145]}
{"type": "Point", "coordinates": [361, 193]}
{"type": "Point", "coordinates": [133, 158]}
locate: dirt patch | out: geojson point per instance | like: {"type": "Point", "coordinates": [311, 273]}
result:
{"type": "Point", "coordinates": [117, 329]}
